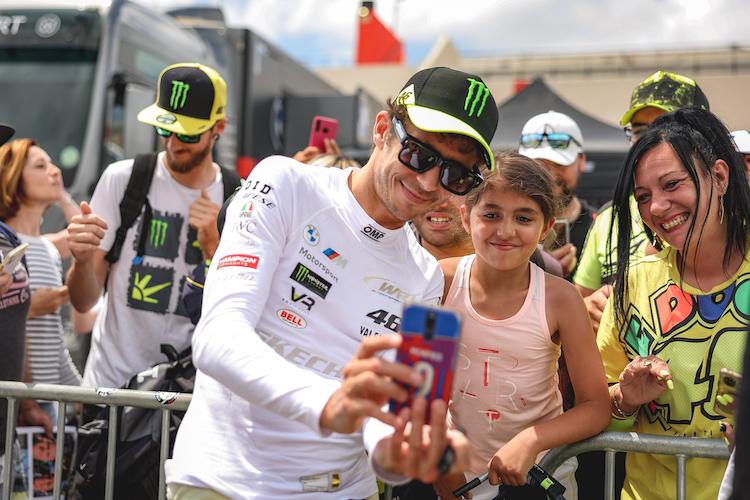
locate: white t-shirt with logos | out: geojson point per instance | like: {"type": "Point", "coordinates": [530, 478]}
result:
{"type": "Point", "coordinates": [143, 303]}
{"type": "Point", "coordinates": [302, 274]}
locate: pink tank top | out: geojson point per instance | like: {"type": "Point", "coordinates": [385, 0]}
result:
{"type": "Point", "coordinates": [506, 373]}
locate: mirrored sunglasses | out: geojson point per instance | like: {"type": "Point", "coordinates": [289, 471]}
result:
{"type": "Point", "coordinates": [419, 157]}
{"type": "Point", "coordinates": [187, 139]}
{"type": "Point", "coordinates": [556, 140]}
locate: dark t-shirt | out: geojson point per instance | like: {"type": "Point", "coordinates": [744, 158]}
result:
{"type": "Point", "coordinates": [579, 228]}
{"type": "Point", "coordinates": [14, 306]}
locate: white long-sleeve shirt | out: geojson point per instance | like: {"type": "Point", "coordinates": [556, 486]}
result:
{"type": "Point", "coordinates": [301, 275]}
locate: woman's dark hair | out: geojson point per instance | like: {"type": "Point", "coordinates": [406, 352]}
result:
{"type": "Point", "coordinates": [699, 139]}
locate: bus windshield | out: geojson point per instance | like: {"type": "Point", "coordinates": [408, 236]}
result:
{"type": "Point", "coordinates": [49, 102]}
{"type": "Point", "coordinates": [47, 67]}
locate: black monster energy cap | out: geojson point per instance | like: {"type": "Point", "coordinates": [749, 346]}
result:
{"type": "Point", "coordinates": [191, 98]}
{"type": "Point", "coordinates": [446, 100]}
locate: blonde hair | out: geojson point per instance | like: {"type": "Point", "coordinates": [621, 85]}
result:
{"type": "Point", "coordinates": [12, 159]}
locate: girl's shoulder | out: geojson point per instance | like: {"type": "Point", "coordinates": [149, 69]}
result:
{"type": "Point", "coordinates": [449, 266]}
{"type": "Point", "coordinates": [561, 289]}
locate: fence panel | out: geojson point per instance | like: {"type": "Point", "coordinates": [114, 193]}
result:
{"type": "Point", "coordinates": [114, 398]}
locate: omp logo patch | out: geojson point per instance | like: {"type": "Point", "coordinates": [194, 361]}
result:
{"type": "Point", "coordinates": [305, 277]}
{"type": "Point", "coordinates": [249, 261]}
{"type": "Point", "coordinates": [373, 233]}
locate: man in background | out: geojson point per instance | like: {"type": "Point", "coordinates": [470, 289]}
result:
{"type": "Point", "coordinates": [658, 94]}
{"type": "Point", "coordinates": [556, 140]}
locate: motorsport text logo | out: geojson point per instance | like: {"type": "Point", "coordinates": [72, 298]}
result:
{"type": "Point", "coordinates": [311, 281]}
{"type": "Point", "coordinates": [314, 260]}
{"type": "Point", "coordinates": [239, 261]}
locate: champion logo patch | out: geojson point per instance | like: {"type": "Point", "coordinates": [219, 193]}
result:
{"type": "Point", "coordinates": [249, 261]}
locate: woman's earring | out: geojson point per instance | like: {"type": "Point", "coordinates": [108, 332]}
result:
{"type": "Point", "coordinates": [721, 210]}
{"type": "Point", "coordinates": [657, 242]}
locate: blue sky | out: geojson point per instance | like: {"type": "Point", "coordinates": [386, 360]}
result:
{"type": "Point", "coordinates": [323, 33]}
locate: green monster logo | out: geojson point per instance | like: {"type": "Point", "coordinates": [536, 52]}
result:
{"type": "Point", "coordinates": [179, 94]}
{"type": "Point", "coordinates": [479, 92]}
{"type": "Point", "coordinates": [302, 273]}
{"type": "Point", "coordinates": [158, 232]}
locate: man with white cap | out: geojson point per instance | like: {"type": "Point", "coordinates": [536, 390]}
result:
{"type": "Point", "coordinates": [556, 140]}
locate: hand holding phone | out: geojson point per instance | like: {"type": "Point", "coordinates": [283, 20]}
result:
{"type": "Point", "coordinates": [323, 128]}
{"type": "Point", "coordinates": [12, 258]}
{"type": "Point", "coordinates": [430, 345]}
{"type": "Point", "coordinates": [725, 402]}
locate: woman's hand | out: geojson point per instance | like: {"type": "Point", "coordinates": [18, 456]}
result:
{"type": "Point", "coordinates": [643, 380]}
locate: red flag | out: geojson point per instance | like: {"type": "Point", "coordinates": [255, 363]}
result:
{"type": "Point", "coordinates": [376, 42]}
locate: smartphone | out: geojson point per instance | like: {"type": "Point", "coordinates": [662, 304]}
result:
{"type": "Point", "coordinates": [726, 394]}
{"type": "Point", "coordinates": [561, 235]}
{"type": "Point", "coordinates": [431, 336]}
{"type": "Point", "coordinates": [323, 128]}
{"type": "Point", "coordinates": [12, 258]}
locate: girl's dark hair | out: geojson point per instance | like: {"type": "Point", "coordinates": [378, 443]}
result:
{"type": "Point", "coordinates": [523, 175]}
{"type": "Point", "coordinates": [699, 139]}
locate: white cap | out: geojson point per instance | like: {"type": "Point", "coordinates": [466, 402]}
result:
{"type": "Point", "coordinates": [553, 122]}
{"type": "Point", "coordinates": [742, 141]}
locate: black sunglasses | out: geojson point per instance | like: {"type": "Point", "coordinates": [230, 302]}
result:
{"type": "Point", "coordinates": [419, 157]}
{"type": "Point", "coordinates": [187, 139]}
{"type": "Point", "coordinates": [556, 140]}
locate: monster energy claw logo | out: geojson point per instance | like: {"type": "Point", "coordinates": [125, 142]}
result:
{"type": "Point", "coordinates": [179, 94]}
{"type": "Point", "coordinates": [479, 92]}
{"type": "Point", "coordinates": [158, 233]}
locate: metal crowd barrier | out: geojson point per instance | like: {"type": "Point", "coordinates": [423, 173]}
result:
{"type": "Point", "coordinates": [610, 442]}
{"type": "Point", "coordinates": [14, 391]}
{"type": "Point", "coordinates": [632, 442]}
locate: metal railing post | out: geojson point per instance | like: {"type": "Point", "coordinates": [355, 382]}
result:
{"type": "Point", "coordinates": [59, 449]}
{"type": "Point", "coordinates": [109, 484]}
{"type": "Point", "coordinates": [10, 429]}
{"type": "Point", "coordinates": [163, 452]}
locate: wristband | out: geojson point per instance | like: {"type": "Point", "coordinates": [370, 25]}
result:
{"type": "Point", "coordinates": [622, 415]}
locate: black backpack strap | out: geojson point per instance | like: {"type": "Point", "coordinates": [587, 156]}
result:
{"type": "Point", "coordinates": [136, 195]}
{"type": "Point", "coordinates": [231, 181]}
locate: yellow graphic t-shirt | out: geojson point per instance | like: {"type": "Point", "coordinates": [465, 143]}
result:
{"type": "Point", "coordinates": [697, 333]}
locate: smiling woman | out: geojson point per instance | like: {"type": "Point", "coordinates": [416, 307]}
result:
{"type": "Point", "coordinates": [677, 318]}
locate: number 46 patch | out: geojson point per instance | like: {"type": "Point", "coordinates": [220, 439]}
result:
{"type": "Point", "coordinates": [382, 317]}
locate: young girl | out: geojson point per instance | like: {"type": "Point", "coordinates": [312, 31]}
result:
{"type": "Point", "coordinates": [505, 391]}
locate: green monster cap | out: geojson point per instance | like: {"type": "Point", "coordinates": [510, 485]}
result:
{"type": "Point", "coordinates": [446, 100]}
{"type": "Point", "coordinates": [667, 91]}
